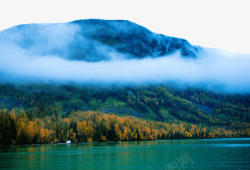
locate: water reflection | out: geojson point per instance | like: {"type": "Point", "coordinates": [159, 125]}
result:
{"type": "Point", "coordinates": [215, 153]}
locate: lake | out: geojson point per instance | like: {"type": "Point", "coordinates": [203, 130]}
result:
{"type": "Point", "coordinates": [161, 154]}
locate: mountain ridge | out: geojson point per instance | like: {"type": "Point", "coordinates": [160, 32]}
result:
{"type": "Point", "coordinates": [92, 40]}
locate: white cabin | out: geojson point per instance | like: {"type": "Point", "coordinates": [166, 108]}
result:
{"type": "Point", "coordinates": [68, 141]}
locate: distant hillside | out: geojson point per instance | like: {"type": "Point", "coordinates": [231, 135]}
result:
{"type": "Point", "coordinates": [96, 40]}
{"type": "Point", "coordinates": [162, 102]}
{"type": "Point", "coordinates": [51, 114]}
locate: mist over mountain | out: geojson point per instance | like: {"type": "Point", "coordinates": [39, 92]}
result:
{"type": "Point", "coordinates": [94, 40]}
{"type": "Point", "coordinates": [115, 51]}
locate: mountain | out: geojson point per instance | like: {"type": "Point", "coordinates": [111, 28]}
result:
{"type": "Point", "coordinates": [94, 39]}
{"type": "Point", "coordinates": [91, 80]}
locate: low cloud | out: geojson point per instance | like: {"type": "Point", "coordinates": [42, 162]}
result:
{"type": "Point", "coordinates": [212, 69]}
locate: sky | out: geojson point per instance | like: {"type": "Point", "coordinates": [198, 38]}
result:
{"type": "Point", "coordinates": [220, 24]}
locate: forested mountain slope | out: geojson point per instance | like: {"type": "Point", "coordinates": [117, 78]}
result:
{"type": "Point", "coordinates": [171, 106]}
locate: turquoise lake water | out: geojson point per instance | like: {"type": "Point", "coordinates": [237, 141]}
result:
{"type": "Point", "coordinates": [161, 154]}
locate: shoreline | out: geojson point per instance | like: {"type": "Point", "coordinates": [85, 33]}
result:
{"type": "Point", "coordinates": [27, 145]}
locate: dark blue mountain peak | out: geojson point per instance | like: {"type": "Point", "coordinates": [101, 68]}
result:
{"type": "Point", "coordinates": [95, 38]}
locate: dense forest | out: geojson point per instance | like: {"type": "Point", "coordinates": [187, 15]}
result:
{"type": "Point", "coordinates": [40, 113]}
